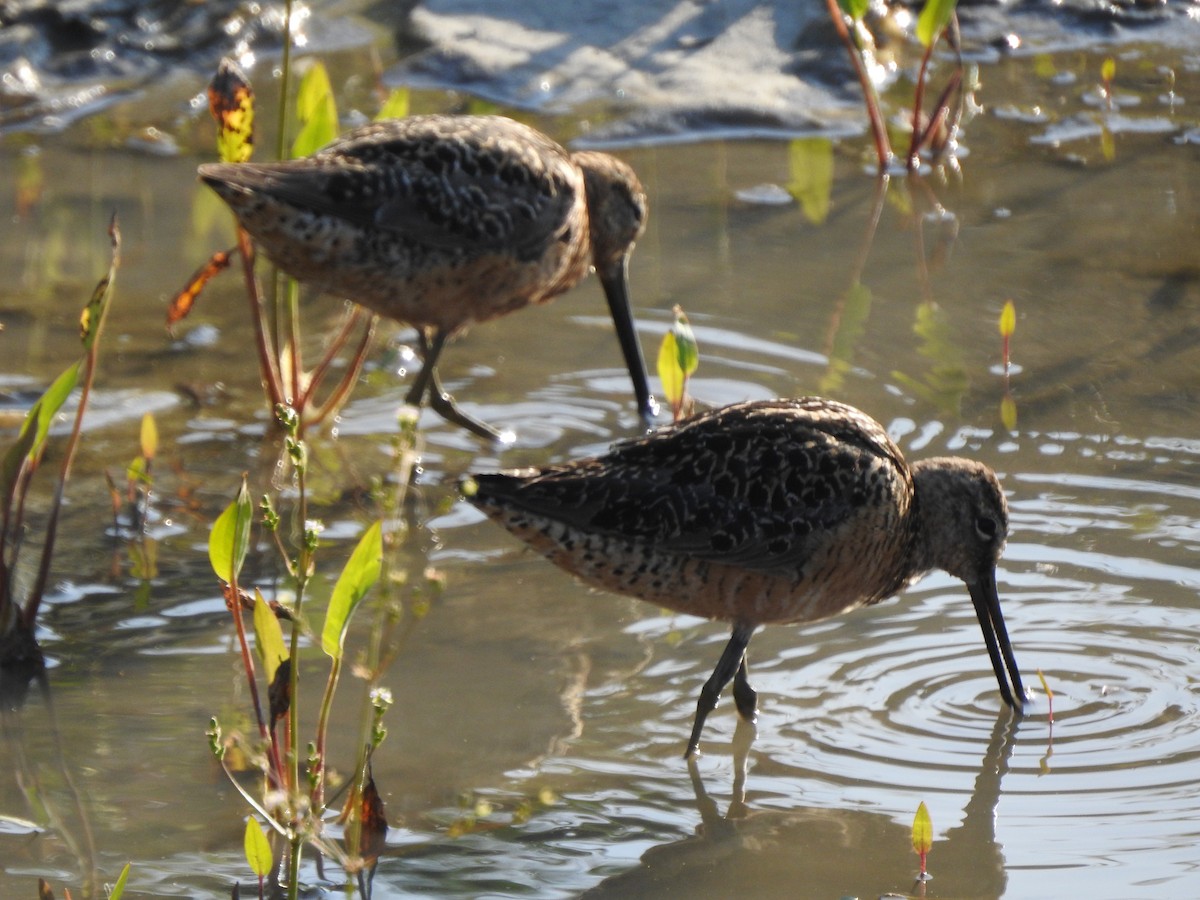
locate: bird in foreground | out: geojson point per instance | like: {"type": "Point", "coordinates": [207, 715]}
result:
{"type": "Point", "coordinates": [766, 512]}
{"type": "Point", "coordinates": [444, 221]}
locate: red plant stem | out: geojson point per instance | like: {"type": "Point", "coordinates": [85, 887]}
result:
{"type": "Point", "coordinates": [349, 378]}
{"type": "Point", "coordinates": [914, 144]}
{"type": "Point", "coordinates": [264, 731]}
{"type": "Point", "coordinates": [268, 362]}
{"type": "Point", "coordinates": [883, 148]}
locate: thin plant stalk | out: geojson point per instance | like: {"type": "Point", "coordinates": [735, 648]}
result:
{"type": "Point", "coordinates": [883, 147]}
{"type": "Point", "coordinates": [89, 374]}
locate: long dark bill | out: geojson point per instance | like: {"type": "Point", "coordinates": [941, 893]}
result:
{"type": "Point", "coordinates": [995, 635]}
{"type": "Point", "coordinates": [615, 282]}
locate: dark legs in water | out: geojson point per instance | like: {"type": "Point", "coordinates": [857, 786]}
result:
{"type": "Point", "coordinates": [731, 666]}
{"type": "Point", "coordinates": [427, 382]}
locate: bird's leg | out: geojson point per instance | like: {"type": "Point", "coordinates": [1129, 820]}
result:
{"type": "Point", "coordinates": [745, 696]}
{"type": "Point", "coordinates": [429, 354]}
{"type": "Point", "coordinates": [427, 382]}
{"type": "Point", "coordinates": [443, 404]}
{"type": "Point", "coordinates": [731, 661]}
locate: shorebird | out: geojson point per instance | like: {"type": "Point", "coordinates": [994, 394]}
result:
{"type": "Point", "coordinates": [767, 512]}
{"type": "Point", "coordinates": [444, 221]}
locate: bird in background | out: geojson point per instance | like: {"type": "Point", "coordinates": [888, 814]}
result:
{"type": "Point", "coordinates": [443, 221]}
{"type": "Point", "coordinates": [759, 513]}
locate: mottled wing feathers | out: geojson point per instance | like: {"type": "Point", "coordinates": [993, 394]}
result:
{"type": "Point", "coordinates": [438, 180]}
{"type": "Point", "coordinates": [755, 485]}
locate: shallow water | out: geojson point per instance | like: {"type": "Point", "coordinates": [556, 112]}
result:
{"type": "Point", "coordinates": [527, 692]}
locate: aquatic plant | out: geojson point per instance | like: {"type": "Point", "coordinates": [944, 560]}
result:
{"type": "Point", "coordinates": [678, 358]}
{"type": "Point", "coordinates": [935, 131]}
{"type": "Point", "coordinates": [922, 838]}
{"type": "Point", "coordinates": [295, 802]}
{"type": "Point", "coordinates": [18, 647]}
{"type": "Point", "coordinates": [275, 315]}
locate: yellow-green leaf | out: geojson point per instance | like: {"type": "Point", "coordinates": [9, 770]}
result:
{"type": "Point", "coordinates": [1108, 70]}
{"type": "Point", "coordinates": [934, 18]}
{"type": "Point", "coordinates": [268, 636]}
{"type": "Point", "coordinates": [258, 848]}
{"type": "Point", "coordinates": [1008, 412]}
{"type": "Point", "coordinates": [1008, 319]}
{"type": "Point", "coordinates": [922, 830]}
{"type": "Point", "coordinates": [361, 572]}
{"type": "Point", "coordinates": [316, 111]}
{"type": "Point", "coordinates": [669, 371]}
{"type": "Point", "coordinates": [149, 436]}
{"type": "Point", "coordinates": [229, 540]}
{"type": "Point", "coordinates": [395, 106]}
{"type": "Point", "coordinates": [855, 9]}
{"type": "Point", "coordinates": [118, 890]}
{"type": "Point", "coordinates": [810, 161]}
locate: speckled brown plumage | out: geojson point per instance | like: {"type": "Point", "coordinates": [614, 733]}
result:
{"type": "Point", "coordinates": [781, 511]}
{"type": "Point", "coordinates": [444, 221]}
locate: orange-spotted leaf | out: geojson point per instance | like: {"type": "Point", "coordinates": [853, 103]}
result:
{"type": "Point", "coordinates": [231, 102]}
{"type": "Point", "coordinates": [182, 303]}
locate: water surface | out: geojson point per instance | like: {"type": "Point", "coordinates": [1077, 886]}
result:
{"type": "Point", "coordinates": [560, 713]}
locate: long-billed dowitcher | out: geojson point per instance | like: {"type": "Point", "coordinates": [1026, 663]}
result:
{"type": "Point", "coordinates": [768, 512]}
{"type": "Point", "coordinates": [444, 221]}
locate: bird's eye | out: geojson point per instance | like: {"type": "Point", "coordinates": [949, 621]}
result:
{"type": "Point", "coordinates": [986, 527]}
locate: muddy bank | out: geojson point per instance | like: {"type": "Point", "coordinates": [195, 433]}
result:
{"type": "Point", "coordinates": [680, 70]}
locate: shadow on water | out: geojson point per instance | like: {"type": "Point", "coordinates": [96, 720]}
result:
{"type": "Point", "coordinates": [772, 853]}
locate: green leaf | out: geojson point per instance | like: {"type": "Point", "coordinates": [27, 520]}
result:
{"type": "Point", "coordinates": [1108, 70]}
{"type": "Point", "coordinates": [396, 106]}
{"type": "Point", "coordinates": [119, 888]}
{"type": "Point", "coordinates": [42, 415]}
{"type": "Point", "coordinates": [316, 111]}
{"type": "Point", "coordinates": [258, 848]}
{"type": "Point", "coordinates": [686, 349]}
{"type": "Point", "coordinates": [934, 18]}
{"type": "Point", "coordinates": [669, 371]}
{"type": "Point", "coordinates": [268, 636]}
{"type": "Point", "coordinates": [361, 572]}
{"type": "Point", "coordinates": [811, 163]}
{"type": "Point", "coordinates": [229, 540]}
{"type": "Point", "coordinates": [855, 9]}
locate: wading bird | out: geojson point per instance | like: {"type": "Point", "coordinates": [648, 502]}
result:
{"type": "Point", "coordinates": [444, 221]}
{"type": "Point", "coordinates": [767, 512]}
